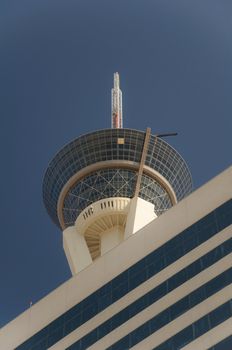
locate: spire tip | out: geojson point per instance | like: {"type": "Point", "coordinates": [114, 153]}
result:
{"type": "Point", "coordinates": [116, 117]}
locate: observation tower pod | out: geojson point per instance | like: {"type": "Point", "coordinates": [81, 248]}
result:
{"type": "Point", "coordinates": [104, 186]}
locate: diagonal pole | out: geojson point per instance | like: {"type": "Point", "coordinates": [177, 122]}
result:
{"type": "Point", "coordinates": [142, 161]}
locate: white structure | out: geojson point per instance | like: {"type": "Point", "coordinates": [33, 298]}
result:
{"type": "Point", "coordinates": [102, 226]}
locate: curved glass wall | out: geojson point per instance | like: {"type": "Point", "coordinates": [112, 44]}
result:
{"type": "Point", "coordinates": [112, 183]}
{"type": "Point", "coordinates": [113, 144]}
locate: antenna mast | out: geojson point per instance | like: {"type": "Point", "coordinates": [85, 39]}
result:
{"type": "Point", "coordinates": [116, 104]}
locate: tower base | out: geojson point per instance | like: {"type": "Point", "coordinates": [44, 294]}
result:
{"type": "Point", "coordinates": [102, 226]}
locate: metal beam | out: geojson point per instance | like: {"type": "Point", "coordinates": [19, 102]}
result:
{"type": "Point", "coordinates": [142, 161]}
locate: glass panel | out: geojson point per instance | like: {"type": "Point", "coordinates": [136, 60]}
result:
{"type": "Point", "coordinates": [197, 328]}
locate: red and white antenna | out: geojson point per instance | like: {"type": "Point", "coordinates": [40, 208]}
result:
{"type": "Point", "coordinates": [116, 104]}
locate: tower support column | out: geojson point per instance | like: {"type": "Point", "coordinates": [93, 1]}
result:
{"type": "Point", "coordinates": [141, 213]}
{"type": "Point", "coordinates": [76, 250]}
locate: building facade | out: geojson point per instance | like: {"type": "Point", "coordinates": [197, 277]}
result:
{"type": "Point", "coordinates": [166, 287]}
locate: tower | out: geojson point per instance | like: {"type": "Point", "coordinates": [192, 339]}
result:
{"type": "Point", "coordinates": [106, 185]}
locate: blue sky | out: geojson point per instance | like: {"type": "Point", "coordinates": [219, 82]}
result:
{"type": "Point", "coordinates": [56, 72]}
